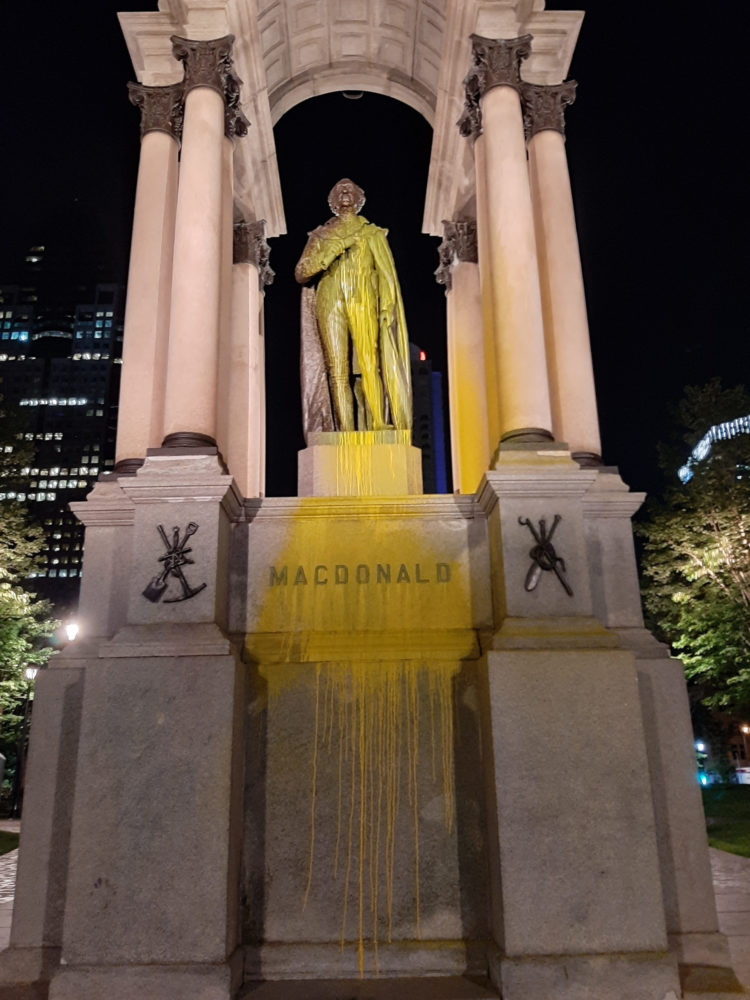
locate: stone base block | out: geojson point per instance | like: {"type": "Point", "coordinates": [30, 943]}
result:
{"type": "Point", "coordinates": [645, 976]}
{"type": "Point", "coordinates": [198, 982]}
{"type": "Point", "coordinates": [27, 967]}
{"type": "Point", "coordinates": [433, 959]}
{"type": "Point", "coordinates": [575, 855]}
{"type": "Point", "coordinates": [427, 988]}
{"type": "Point", "coordinates": [360, 464]}
{"type": "Point", "coordinates": [700, 949]}
{"type": "Point", "coordinates": [25, 991]}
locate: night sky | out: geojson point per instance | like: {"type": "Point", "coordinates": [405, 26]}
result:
{"type": "Point", "coordinates": [658, 178]}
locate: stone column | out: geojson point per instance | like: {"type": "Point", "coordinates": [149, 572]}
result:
{"type": "Point", "coordinates": [493, 119]}
{"type": "Point", "coordinates": [571, 375]}
{"type": "Point", "coordinates": [235, 125]}
{"type": "Point", "coordinates": [191, 389]}
{"type": "Point", "coordinates": [244, 450]}
{"type": "Point", "coordinates": [459, 272]}
{"type": "Point", "coordinates": [144, 359]}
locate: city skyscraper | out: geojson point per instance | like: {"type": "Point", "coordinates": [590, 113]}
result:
{"type": "Point", "coordinates": [60, 354]}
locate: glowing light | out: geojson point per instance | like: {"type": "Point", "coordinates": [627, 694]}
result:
{"type": "Point", "coordinates": [719, 432]}
{"type": "Point", "coordinates": [700, 746]}
{"type": "Point", "coordinates": [703, 779]}
{"type": "Point", "coordinates": [422, 356]}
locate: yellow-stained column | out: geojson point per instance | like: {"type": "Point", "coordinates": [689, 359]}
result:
{"type": "Point", "coordinates": [195, 319]}
{"type": "Point", "coordinates": [571, 373]}
{"type": "Point", "coordinates": [144, 350]}
{"type": "Point", "coordinates": [459, 272]}
{"type": "Point", "coordinates": [244, 450]}
{"type": "Point", "coordinates": [488, 312]}
{"type": "Point", "coordinates": [510, 274]}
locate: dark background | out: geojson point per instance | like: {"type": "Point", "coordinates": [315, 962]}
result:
{"type": "Point", "coordinates": [656, 161]}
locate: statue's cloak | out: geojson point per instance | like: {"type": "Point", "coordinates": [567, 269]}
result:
{"type": "Point", "coordinates": [393, 343]}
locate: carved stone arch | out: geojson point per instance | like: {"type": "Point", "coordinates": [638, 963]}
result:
{"type": "Point", "coordinates": [348, 78]}
{"type": "Point", "coordinates": [417, 51]}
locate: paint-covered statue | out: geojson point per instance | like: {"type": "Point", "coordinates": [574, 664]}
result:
{"type": "Point", "coordinates": [355, 347]}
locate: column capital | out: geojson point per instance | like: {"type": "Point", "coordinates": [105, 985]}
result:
{"type": "Point", "coordinates": [250, 247]}
{"type": "Point", "coordinates": [544, 106]}
{"type": "Point", "coordinates": [161, 108]}
{"type": "Point", "coordinates": [495, 62]}
{"type": "Point", "coordinates": [209, 64]}
{"type": "Point", "coordinates": [459, 244]}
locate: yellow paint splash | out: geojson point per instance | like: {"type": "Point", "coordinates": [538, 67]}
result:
{"type": "Point", "coordinates": [367, 716]}
{"type": "Point", "coordinates": [355, 471]}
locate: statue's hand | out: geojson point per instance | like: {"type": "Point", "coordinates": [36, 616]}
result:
{"type": "Point", "coordinates": [325, 244]}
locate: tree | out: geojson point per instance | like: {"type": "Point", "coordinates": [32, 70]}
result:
{"type": "Point", "coordinates": [696, 550]}
{"type": "Point", "coordinates": [25, 622]}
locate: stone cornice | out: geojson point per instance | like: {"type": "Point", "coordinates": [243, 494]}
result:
{"type": "Point", "coordinates": [106, 505]}
{"type": "Point", "coordinates": [459, 506]}
{"type": "Point", "coordinates": [250, 247]}
{"type": "Point", "coordinates": [161, 108]}
{"type": "Point", "coordinates": [459, 244]}
{"type": "Point", "coordinates": [544, 106]}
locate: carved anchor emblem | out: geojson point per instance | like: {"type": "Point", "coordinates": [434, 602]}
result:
{"type": "Point", "coordinates": [175, 558]}
{"type": "Point", "coordinates": [543, 554]}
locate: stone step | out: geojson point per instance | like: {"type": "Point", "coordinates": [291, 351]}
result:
{"type": "Point", "coordinates": [424, 988]}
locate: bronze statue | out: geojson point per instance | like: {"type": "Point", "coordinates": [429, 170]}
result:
{"type": "Point", "coordinates": [357, 317]}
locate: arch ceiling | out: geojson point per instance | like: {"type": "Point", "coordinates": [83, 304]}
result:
{"type": "Point", "coordinates": [286, 51]}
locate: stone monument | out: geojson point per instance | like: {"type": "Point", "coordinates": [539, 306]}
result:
{"type": "Point", "coordinates": [361, 742]}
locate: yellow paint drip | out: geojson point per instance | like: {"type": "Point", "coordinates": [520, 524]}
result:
{"type": "Point", "coordinates": [356, 465]}
{"type": "Point", "coordinates": [367, 718]}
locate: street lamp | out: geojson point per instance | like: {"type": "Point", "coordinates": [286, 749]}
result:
{"type": "Point", "coordinates": [30, 675]}
{"type": "Point", "coordinates": [71, 630]}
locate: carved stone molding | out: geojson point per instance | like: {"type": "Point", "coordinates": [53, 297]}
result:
{"type": "Point", "coordinates": [496, 62]}
{"type": "Point", "coordinates": [161, 108]}
{"type": "Point", "coordinates": [235, 123]}
{"type": "Point", "coordinates": [459, 244]}
{"type": "Point", "coordinates": [250, 247]}
{"type": "Point", "coordinates": [470, 122]}
{"type": "Point", "coordinates": [544, 107]}
{"type": "Point", "coordinates": [209, 64]}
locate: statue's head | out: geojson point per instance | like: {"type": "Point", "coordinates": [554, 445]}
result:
{"type": "Point", "coordinates": [346, 197]}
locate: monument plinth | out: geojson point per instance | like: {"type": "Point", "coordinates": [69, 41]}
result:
{"type": "Point", "coordinates": [360, 742]}
{"type": "Point", "coordinates": [360, 464]}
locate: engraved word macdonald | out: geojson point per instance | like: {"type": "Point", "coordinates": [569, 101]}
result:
{"type": "Point", "coordinates": [362, 573]}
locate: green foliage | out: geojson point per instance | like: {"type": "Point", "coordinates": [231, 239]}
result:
{"type": "Point", "coordinates": [727, 809]}
{"type": "Point", "coordinates": [696, 552]}
{"type": "Point", "coordinates": [25, 622]}
{"type": "Point", "coordinates": [8, 841]}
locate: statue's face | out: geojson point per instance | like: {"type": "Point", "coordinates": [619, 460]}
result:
{"type": "Point", "coordinates": [346, 198]}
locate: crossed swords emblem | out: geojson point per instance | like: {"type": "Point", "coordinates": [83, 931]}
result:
{"type": "Point", "coordinates": [174, 559]}
{"type": "Point", "coordinates": [543, 555]}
